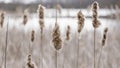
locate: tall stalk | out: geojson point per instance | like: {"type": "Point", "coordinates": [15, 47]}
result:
{"type": "Point", "coordinates": [94, 47]}
{"type": "Point", "coordinates": [96, 23]}
{"type": "Point", "coordinates": [78, 48]}
{"type": "Point", "coordinates": [6, 45]}
{"type": "Point", "coordinates": [41, 48]}
{"type": "Point", "coordinates": [103, 44]}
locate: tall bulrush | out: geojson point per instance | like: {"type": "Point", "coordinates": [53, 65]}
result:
{"type": "Point", "coordinates": [96, 24]}
{"type": "Point", "coordinates": [81, 20]}
{"type": "Point", "coordinates": [2, 18]}
{"type": "Point", "coordinates": [57, 42]}
{"type": "Point", "coordinates": [41, 23]}
{"type": "Point", "coordinates": [25, 18]}
{"type": "Point", "coordinates": [67, 38]}
{"type": "Point", "coordinates": [103, 45]}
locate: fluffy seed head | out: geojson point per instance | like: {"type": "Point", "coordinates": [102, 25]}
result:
{"type": "Point", "coordinates": [25, 18]}
{"type": "Point", "coordinates": [104, 36]}
{"type": "Point", "coordinates": [2, 19]}
{"type": "Point", "coordinates": [41, 16]}
{"type": "Point", "coordinates": [96, 22]}
{"type": "Point", "coordinates": [81, 20]}
{"type": "Point", "coordinates": [32, 36]}
{"type": "Point", "coordinates": [57, 42]}
{"type": "Point", "coordinates": [68, 33]}
{"type": "Point", "coordinates": [30, 64]}
{"type": "Point", "coordinates": [41, 12]}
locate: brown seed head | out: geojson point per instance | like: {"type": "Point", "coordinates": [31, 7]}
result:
{"type": "Point", "coordinates": [41, 12]}
{"type": "Point", "coordinates": [57, 42]}
{"type": "Point", "coordinates": [104, 36]}
{"type": "Point", "coordinates": [96, 22]}
{"type": "Point", "coordinates": [30, 64]}
{"type": "Point", "coordinates": [32, 36]}
{"type": "Point", "coordinates": [81, 20]}
{"type": "Point", "coordinates": [25, 18]}
{"type": "Point", "coordinates": [41, 17]}
{"type": "Point", "coordinates": [2, 19]}
{"type": "Point", "coordinates": [68, 33]}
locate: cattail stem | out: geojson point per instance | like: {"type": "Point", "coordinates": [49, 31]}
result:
{"type": "Point", "coordinates": [64, 53]}
{"type": "Point", "coordinates": [41, 50]}
{"type": "Point", "coordinates": [6, 43]}
{"type": "Point", "coordinates": [78, 51]}
{"type": "Point", "coordinates": [99, 57]}
{"type": "Point", "coordinates": [56, 56]}
{"type": "Point", "coordinates": [94, 47]}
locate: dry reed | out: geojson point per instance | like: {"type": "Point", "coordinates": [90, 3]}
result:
{"type": "Point", "coordinates": [81, 20]}
{"type": "Point", "coordinates": [57, 42]}
{"type": "Point", "coordinates": [41, 23]}
{"type": "Point", "coordinates": [103, 44]}
{"type": "Point", "coordinates": [96, 24]}
{"type": "Point", "coordinates": [67, 38]}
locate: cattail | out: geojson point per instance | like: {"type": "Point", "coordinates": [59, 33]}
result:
{"type": "Point", "coordinates": [2, 19]}
{"type": "Point", "coordinates": [30, 63]}
{"type": "Point", "coordinates": [103, 44]}
{"type": "Point", "coordinates": [104, 36]}
{"type": "Point", "coordinates": [81, 20]}
{"type": "Point", "coordinates": [57, 42]}
{"type": "Point", "coordinates": [41, 16]}
{"type": "Point", "coordinates": [32, 36]}
{"type": "Point", "coordinates": [25, 18]}
{"type": "Point", "coordinates": [96, 22]}
{"type": "Point", "coordinates": [68, 33]}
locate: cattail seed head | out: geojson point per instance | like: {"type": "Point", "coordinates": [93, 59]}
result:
{"type": "Point", "coordinates": [96, 22]}
{"type": "Point", "coordinates": [32, 36]}
{"type": "Point", "coordinates": [30, 64]}
{"type": "Point", "coordinates": [57, 42]}
{"type": "Point", "coordinates": [68, 33]}
{"type": "Point", "coordinates": [2, 19]}
{"type": "Point", "coordinates": [41, 17]}
{"type": "Point", "coordinates": [104, 36]}
{"type": "Point", "coordinates": [25, 18]}
{"type": "Point", "coordinates": [41, 12]}
{"type": "Point", "coordinates": [81, 20]}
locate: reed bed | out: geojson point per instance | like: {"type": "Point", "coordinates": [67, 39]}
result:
{"type": "Point", "coordinates": [60, 45]}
